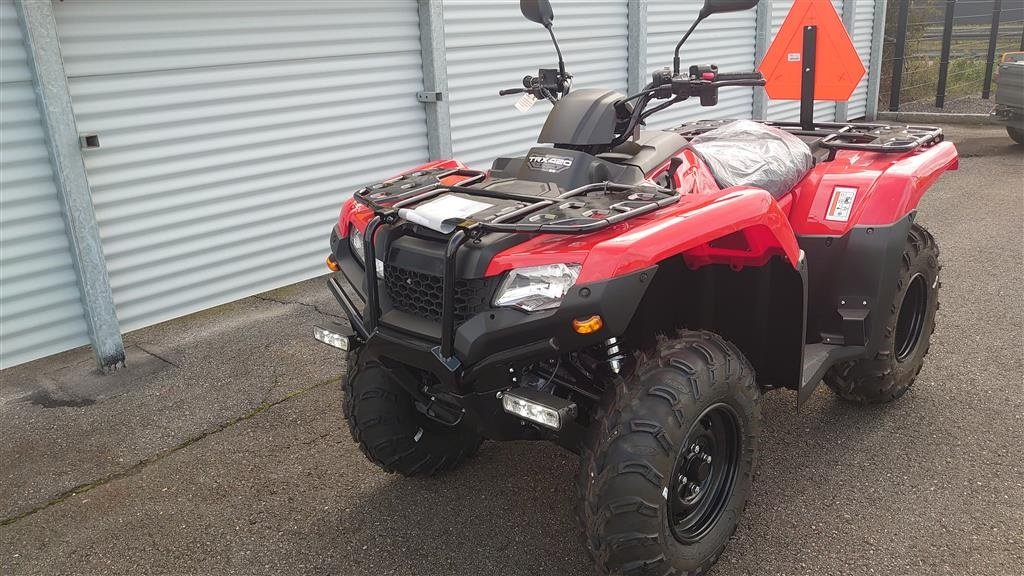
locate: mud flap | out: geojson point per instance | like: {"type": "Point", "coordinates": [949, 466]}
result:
{"type": "Point", "coordinates": [852, 280]}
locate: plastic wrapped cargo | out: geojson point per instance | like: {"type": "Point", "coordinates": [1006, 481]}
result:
{"type": "Point", "coordinates": [747, 153]}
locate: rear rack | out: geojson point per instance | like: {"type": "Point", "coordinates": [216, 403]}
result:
{"type": "Point", "coordinates": [835, 136]}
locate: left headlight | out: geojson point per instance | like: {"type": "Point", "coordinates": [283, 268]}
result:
{"type": "Point", "coordinates": [537, 287]}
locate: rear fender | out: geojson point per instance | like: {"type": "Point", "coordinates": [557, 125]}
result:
{"type": "Point", "coordinates": [885, 187]}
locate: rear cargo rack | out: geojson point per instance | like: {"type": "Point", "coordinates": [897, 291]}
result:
{"type": "Point", "coordinates": [835, 136]}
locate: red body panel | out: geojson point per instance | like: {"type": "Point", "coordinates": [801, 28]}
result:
{"type": "Point", "coordinates": [888, 187]}
{"type": "Point", "coordinates": [739, 226]}
{"type": "Point", "coordinates": [691, 223]}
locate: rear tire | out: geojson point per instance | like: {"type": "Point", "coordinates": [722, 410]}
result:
{"type": "Point", "coordinates": [649, 501]}
{"type": "Point", "coordinates": [390, 431]}
{"type": "Point", "coordinates": [908, 330]}
{"type": "Point", "coordinates": [1016, 134]}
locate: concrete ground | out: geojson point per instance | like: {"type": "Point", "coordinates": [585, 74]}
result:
{"type": "Point", "coordinates": [221, 449]}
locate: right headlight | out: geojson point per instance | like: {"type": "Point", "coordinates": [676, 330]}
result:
{"type": "Point", "coordinates": [537, 287]}
{"type": "Point", "coordinates": [355, 242]}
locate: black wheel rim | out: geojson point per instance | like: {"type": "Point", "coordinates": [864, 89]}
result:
{"type": "Point", "coordinates": [704, 473]}
{"type": "Point", "coordinates": [910, 322]}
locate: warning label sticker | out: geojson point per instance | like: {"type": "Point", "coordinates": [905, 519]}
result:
{"type": "Point", "coordinates": [841, 205]}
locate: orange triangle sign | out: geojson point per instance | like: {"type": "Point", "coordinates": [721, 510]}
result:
{"type": "Point", "coordinates": [838, 68]}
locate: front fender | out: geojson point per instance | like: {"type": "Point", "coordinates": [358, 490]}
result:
{"type": "Point", "coordinates": [747, 221]}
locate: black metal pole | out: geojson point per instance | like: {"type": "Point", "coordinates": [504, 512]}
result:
{"type": "Point", "coordinates": [372, 313]}
{"type": "Point", "coordinates": [990, 59]}
{"type": "Point", "coordinates": [448, 293]}
{"type": "Point", "coordinates": [899, 54]}
{"type": "Point", "coordinates": [807, 77]}
{"type": "Point", "coordinates": [947, 39]}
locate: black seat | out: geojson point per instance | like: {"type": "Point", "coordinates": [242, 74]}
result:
{"type": "Point", "coordinates": [651, 150]}
{"type": "Point", "coordinates": [747, 153]}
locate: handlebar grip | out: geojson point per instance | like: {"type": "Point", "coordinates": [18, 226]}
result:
{"type": "Point", "coordinates": [726, 76]}
{"type": "Point", "coordinates": [508, 91]}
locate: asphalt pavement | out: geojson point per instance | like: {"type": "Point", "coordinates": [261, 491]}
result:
{"type": "Point", "coordinates": [221, 449]}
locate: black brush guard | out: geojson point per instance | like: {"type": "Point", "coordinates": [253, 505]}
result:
{"type": "Point", "coordinates": [386, 203]}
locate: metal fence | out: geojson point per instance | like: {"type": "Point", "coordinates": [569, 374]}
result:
{"type": "Point", "coordinates": [940, 55]}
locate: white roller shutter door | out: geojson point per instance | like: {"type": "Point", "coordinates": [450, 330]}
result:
{"type": "Point", "coordinates": [723, 39]}
{"type": "Point", "coordinates": [789, 110]}
{"type": "Point", "coordinates": [231, 132]}
{"type": "Point", "coordinates": [863, 22]}
{"type": "Point", "coordinates": [40, 305]}
{"type": "Point", "coordinates": [491, 46]}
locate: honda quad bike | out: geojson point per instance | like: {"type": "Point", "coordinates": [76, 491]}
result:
{"type": "Point", "coordinates": [629, 295]}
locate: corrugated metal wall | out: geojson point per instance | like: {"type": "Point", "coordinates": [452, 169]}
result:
{"type": "Point", "coordinates": [789, 110]}
{"type": "Point", "coordinates": [723, 39]}
{"type": "Point", "coordinates": [490, 46]}
{"type": "Point", "coordinates": [231, 132]}
{"type": "Point", "coordinates": [863, 21]}
{"type": "Point", "coordinates": [40, 305]}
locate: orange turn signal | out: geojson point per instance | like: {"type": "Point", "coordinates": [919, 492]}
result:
{"type": "Point", "coordinates": [587, 325]}
{"type": "Point", "coordinates": [332, 264]}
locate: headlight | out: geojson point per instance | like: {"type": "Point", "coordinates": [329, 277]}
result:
{"type": "Point", "coordinates": [537, 287]}
{"type": "Point", "coordinates": [358, 245]}
{"type": "Point", "coordinates": [355, 241]}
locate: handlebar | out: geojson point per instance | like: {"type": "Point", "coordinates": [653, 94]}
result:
{"type": "Point", "coordinates": [732, 76]}
{"type": "Point", "coordinates": [549, 84]}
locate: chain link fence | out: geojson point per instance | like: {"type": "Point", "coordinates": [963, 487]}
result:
{"type": "Point", "coordinates": [942, 55]}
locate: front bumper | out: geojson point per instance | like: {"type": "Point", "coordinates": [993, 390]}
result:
{"type": "Point", "coordinates": [491, 345]}
{"type": "Point", "coordinates": [490, 349]}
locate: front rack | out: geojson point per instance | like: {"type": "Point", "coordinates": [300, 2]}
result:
{"type": "Point", "coordinates": [567, 213]}
{"type": "Point", "coordinates": [559, 214]}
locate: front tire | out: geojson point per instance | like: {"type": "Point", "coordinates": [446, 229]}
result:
{"type": "Point", "coordinates": [383, 420]}
{"type": "Point", "coordinates": [665, 478]}
{"type": "Point", "coordinates": [908, 330]}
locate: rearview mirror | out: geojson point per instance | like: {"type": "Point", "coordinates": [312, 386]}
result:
{"type": "Point", "coordinates": [717, 6]}
{"type": "Point", "coordinates": [538, 11]}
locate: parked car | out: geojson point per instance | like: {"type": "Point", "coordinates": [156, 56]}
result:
{"type": "Point", "coordinates": [1009, 108]}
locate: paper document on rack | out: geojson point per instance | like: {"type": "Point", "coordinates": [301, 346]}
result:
{"type": "Point", "coordinates": [443, 213]}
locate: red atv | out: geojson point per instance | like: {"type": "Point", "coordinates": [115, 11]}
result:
{"type": "Point", "coordinates": [630, 294]}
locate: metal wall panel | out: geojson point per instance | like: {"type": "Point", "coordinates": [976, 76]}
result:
{"type": "Point", "coordinates": [789, 110]}
{"type": "Point", "coordinates": [40, 305]}
{"type": "Point", "coordinates": [230, 134]}
{"type": "Point", "coordinates": [863, 20]}
{"type": "Point", "coordinates": [491, 46]}
{"type": "Point", "coordinates": [723, 39]}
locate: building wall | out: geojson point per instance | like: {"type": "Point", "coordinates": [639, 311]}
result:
{"type": "Point", "coordinates": [40, 305]}
{"type": "Point", "coordinates": [231, 132]}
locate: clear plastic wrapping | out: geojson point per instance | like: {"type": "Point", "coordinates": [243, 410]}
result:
{"type": "Point", "coordinates": [746, 153]}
